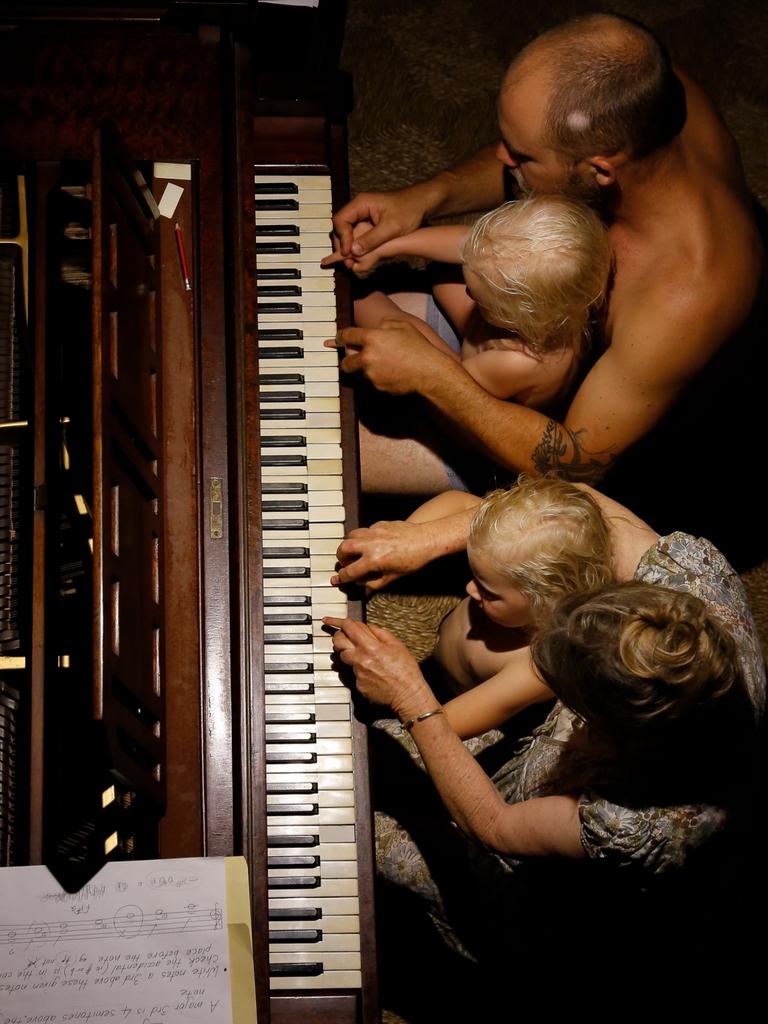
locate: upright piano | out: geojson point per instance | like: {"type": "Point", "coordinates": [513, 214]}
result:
{"type": "Point", "coordinates": [177, 466]}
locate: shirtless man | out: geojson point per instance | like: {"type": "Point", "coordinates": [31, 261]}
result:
{"type": "Point", "coordinates": [689, 261]}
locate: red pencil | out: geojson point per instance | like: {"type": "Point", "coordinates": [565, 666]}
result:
{"type": "Point", "coordinates": [182, 258]}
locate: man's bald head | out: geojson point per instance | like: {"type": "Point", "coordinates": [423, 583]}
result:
{"type": "Point", "coordinates": [612, 87]}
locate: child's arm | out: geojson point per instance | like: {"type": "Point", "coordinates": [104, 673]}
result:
{"type": "Point", "coordinates": [445, 504]}
{"type": "Point", "coordinates": [493, 702]}
{"type": "Point", "coordinates": [441, 243]}
{"type": "Point", "coordinates": [504, 373]}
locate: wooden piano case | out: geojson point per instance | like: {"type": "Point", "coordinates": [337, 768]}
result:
{"type": "Point", "coordinates": [144, 728]}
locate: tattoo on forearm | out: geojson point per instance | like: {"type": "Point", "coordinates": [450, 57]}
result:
{"type": "Point", "coordinates": [562, 452]}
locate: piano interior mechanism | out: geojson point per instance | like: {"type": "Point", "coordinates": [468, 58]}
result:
{"type": "Point", "coordinates": [177, 466]}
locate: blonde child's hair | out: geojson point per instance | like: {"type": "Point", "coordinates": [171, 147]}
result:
{"type": "Point", "coordinates": [547, 538]}
{"type": "Point", "coordinates": [541, 268]}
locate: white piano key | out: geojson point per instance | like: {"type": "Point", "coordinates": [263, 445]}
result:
{"type": "Point", "coordinates": [312, 318]}
{"type": "Point", "coordinates": [319, 467]}
{"type": "Point", "coordinates": [318, 547]}
{"type": "Point", "coordinates": [331, 961]}
{"type": "Point", "coordinates": [322, 358]}
{"type": "Point", "coordinates": [318, 225]}
{"type": "Point", "coordinates": [325, 834]}
{"type": "Point", "coordinates": [324, 780]}
{"type": "Point", "coordinates": [321, 695]}
{"type": "Point", "coordinates": [329, 979]}
{"type": "Point", "coordinates": [333, 924]}
{"type": "Point", "coordinates": [278, 584]}
{"type": "Point", "coordinates": [332, 851]}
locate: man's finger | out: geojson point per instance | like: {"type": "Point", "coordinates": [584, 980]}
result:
{"type": "Point", "coordinates": [355, 337]}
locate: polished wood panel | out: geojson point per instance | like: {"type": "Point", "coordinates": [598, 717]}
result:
{"type": "Point", "coordinates": [176, 490]}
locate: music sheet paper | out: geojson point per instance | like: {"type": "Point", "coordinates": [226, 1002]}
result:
{"type": "Point", "coordinates": [144, 942]}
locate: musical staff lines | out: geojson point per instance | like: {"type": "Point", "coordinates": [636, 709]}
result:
{"type": "Point", "coordinates": [128, 922]}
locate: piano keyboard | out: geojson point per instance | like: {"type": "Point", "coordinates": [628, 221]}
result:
{"type": "Point", "coordinates": [314, 929]}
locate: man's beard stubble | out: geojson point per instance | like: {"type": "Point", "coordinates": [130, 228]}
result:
{"type": "Point", "coordinates": [577, 187]}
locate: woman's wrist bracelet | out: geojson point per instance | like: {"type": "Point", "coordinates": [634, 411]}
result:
{"type": "Point", "coordinates": [407, 726]}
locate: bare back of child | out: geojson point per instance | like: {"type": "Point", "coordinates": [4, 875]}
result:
{"type": "Point", "coordinates": [528, 547]}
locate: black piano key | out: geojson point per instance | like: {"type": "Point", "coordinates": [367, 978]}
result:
{"type": "Point", "coordinates": [278, 230]}
{"type": "Point", "coordinates": [279, 308]}
{"type": "Point", "coordinates": [308, 970]}
{"type": "Point", "coordinates": [277, 248]}
{"type": "Point", "coordinates": [291, 810]}
{"type": "Point", "coordinates": [281, 353]}
{"type": "Point", "coordinates": [280, 334]}
{"type": "Point", "coordinates": [274, 687]}
{"type": "Point", "coordinates": [265, 291]}
{"type": "Point", "coordinates": [287, 620]}
{"type": "Point", "coordinates": [291, 718]}
{"type": "Point", "coordinates": [295, 914]}
{"type": "Point", "coordinates": [276, 204]}
{"type": "Point", "coordinates": [292, 505]}
{"type": "Point", "coordinates": [294, 860]}
{"type": "Point", "coordinates": [295, 667]}
{"type": "Point", "coordinates": [291, 757]}
{"type": "Point", "coordinates": [276, 188]}
{"type": "Point", "coordinates": [281, 378]}
{"type": "Point", "coordinates": [304, 840]}
{"type": "Point", "coordinates": [283, 414]}
{"type": "Point", "coordinates": [287, 638]}
{"type": "Point", "coordinates": [282, 396]}
{"type": "Point", "coordinates": [273, 788]}
{"type": "Point", "coordinates": [286, 600]}
{"type": "Point", "coordinates": [294, 882]}
{"type": "Point", "coordinates": [278, 487]}
{"type": "Point", "coordinates": [286, 572]}
{"type": "Point", "coordinates": [307, 935]}
{"type": "Point", "coordinates": [292, 552]}
{"type": "Point", "coordinates": [284, 441]}
{"type": "Point", "coordinates": [289, 736]}
{"type": "Point", "coordinates": [285, 524]}
{"type": "Point", "coordinates": [266, 273]}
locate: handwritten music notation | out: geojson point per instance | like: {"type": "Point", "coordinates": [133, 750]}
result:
{"type": "Point", "coordinates": [129, 921]}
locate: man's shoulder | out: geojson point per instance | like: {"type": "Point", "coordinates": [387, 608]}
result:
{"type": "Point", "coordinates": [683, 306]}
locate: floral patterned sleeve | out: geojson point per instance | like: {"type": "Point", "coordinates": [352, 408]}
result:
{"type": "Point", "coordinates": [686, 563]}
{"type": "Point", "coordinates": [659, 839]}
